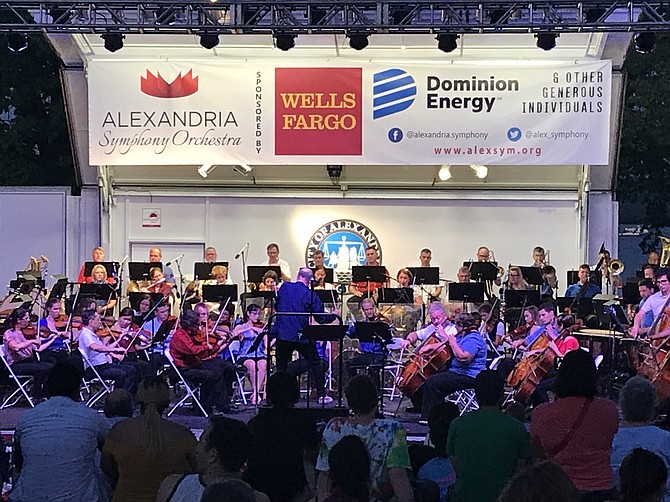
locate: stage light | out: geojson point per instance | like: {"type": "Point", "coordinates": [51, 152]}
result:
{"type": "Point", "coordinates": [399, 14]}
{"type": "Point", "coordinates": [496, 15]}
{"type": "Point", "coordinates": [17, 42]}
{"type": "Point", "coordinates": [284, 41]}
{"type": "Point", "coordinates": [209, 40]}
{"type": "Point", "coordinates": [113, 41]}
{"type": "Point", "coordinates": [446, 42]}
{"type": "Point", "coordinates": [480, 171]}
{"type": "Point", "coordinates": [205, 169]}
{"type": "Point", "coordinates": [444, 173]}
{"type": "Point", "coordinates": [243, 169]}
{"type": "Point", "coordinates": [334, 173]}
{"type": "Point", "coordinates": [546, 41]}
{"type": "Point", "coordinates": [644, 42]}
{"type": "Point", "coordinates": [358, 41]}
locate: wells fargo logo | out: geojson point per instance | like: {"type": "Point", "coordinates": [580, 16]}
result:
{"type": "Point", "coordinates": [158, 87]}
{"type": "Point", "coordinates": [318, 111]}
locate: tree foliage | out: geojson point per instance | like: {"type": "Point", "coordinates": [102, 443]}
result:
{"type": "Point", "coordinates": [34, 137]}
{"type": "Point", "coordinates": [644, 161]}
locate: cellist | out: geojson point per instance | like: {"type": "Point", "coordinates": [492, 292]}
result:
{"type": "Point", "coordinates": [656, 304]}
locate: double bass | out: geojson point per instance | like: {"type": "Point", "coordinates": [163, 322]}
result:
{"type": "Point", "coordinates": [422, 365]}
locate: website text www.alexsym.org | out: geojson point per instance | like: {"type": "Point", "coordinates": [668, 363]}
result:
{"type": "Point", "coordinates": [487, 150]}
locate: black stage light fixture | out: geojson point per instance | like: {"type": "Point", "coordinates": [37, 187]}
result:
{"type": "Point", "coordinates": [644, 42]}
{"type": "Point", "coordinates": [334, 173]}
{"type": "Point", "coordinates": [16, 42]}
{"type": "Point", "coordinates": [399, 14]}
{"type": "Point", "coordinates": [546, 41]}
{"type": "Point", "coordinates": [113, 41]}
{"type": "Point", "coordinates": [209, 40]}
{"type": "Point", "coordinates": [446, 42]}
{"type": "Point", "coordinates": [358, 41]}
{"type": "Point", "coordinates": [592, 15]}
{"type": "Point", "coordinates": [496, 15]}
{"type": "Point", "coordinates": [284, 41]}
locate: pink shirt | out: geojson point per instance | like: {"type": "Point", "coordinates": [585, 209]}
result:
{"type": "Point", "coordinates": [14, 355]}
{"type": "Point", "coordinates": [586, 458]}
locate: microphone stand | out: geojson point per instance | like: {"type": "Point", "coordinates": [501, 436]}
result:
{"type": "Point", "coordinates": [243, 255]}
{"type": "Point", "coordinates": [180, 289]}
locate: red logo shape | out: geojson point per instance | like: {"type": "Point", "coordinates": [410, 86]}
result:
{"type": "Point", "coordinates": [156, 86]}
{"type": "Point", "coordinates": [318, 111]}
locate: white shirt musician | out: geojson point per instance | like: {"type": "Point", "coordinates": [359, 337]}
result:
{"type": "Point", "coordinates": [274, 260]}
{"type": "Point", "coordinates": [439, 324]}
{"type": "Point", "coordinates": [655, 304]}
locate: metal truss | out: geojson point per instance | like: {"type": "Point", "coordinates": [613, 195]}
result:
{"type": "Point", "coordinates": [305, 16]}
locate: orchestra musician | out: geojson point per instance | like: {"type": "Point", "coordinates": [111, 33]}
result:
{"type": "Point", "coordinates": [99, 276]}
{"type": "Point", "coordinates": [468, 359]}
{"type": "Point", "coordinates": [254, 361]}
{"type": "Point", "coordinates": [158, 284]}
{"type": "Point", "coordinates": [195, 352]}
{"type": "Point", "coordinates": [360, 289]}
{"type": "Point", "coordinates": [464, 275]}
{"type": "Point", "coordinates": [156, 256]}
{"type": "Point", "coordinates": [21, 352]}
{"type": "Point", "coordinates": [547, 324]}
{"type": "Point", "coordinates": [57, 350]}
{"type": "Point", "coordinates": [161, 323]}
{"type": "Point", "coordinates": [143, 308]}
{"type": "Point", "coordinates": [646, 288]}
{"type": "Point", "coordinates": [270, 280]}
{"type": "Point", "coordinates": [372, 354]}
{"type": "Point", "coordinates": [648, 272]}
{"type": "Point", "coordinates": [491, 326]}
{"type": "Point", "coordinates": [655, 304]}
{"type": "Point", "coordinates": [611, 283]}
{"type": "Point", "coordinates": [210, 255]}
{"type": "Point", "coordinates": [274, 260]}
{"type": "Point", "coordinates": [124, 326]}
{"type": "Point", "coordinates": [318, 259]}
{"type": "Point", "coordinates": [484, 255]}
{"type": "Point", "coordinates": [105, 357]}
{"type": "Point", "coordinates": [589, 289]}
{"type": "Point", "coordinates": [98, 256]}
{"type": "Point", "coordinates": [405, 278]}
{"type": "Point", "coordinates": [540, 261]}
{"type": "Point", "coordinates": [654, 259]}
{"type": "Point", "coordinates": [320, 279]}
{"type": "Point", "coordinates": [516, 281]}
{"type": "Point", "coordinates": [429, 293]}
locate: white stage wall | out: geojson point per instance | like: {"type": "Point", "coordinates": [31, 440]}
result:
{"type": "Point", "coordinates": [453, 229]}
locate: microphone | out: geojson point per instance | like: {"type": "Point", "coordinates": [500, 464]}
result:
{"type": "Point", "coordinates": [242, 250]}
{"type": "Point", "coordinates": [176, 259]}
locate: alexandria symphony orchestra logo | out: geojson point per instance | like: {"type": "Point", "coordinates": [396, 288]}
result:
{"type": "Point", "coordinates": [343, 243]}
{"type": "Point", "coordinates": [158, 87]}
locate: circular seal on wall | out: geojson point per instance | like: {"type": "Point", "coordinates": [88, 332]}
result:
{"type": "Point", "coordinates": [343, 243]}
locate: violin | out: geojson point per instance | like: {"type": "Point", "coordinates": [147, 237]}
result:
{"type": "Point", "coordinates": [521, 331]}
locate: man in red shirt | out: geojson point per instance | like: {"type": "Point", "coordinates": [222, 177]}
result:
{"type": "Point", "coordinates": [198, 360]}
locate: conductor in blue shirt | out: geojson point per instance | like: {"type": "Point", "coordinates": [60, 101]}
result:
{"type": "Point", "coordinates": [288, 330]}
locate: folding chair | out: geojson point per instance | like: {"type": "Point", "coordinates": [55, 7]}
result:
{"type": "Point", "coordinates": [239, 374]}
{"type": "Point", "coordinates": [190, 393]}
{"type": "Point", "coordinates": [394, 367]}
{"type": "Point", "coordinates": [87, 393]}
{"type": "Point", "coordinates": [23, 382]}
{"type": "Point", "coordinates": [465, 400]}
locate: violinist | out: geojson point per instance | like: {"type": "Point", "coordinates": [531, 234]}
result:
{"type": "Point", "coordinates": [491, 326]}
{"type": "Point", "coordinates": [195, 356]}
{"type": "Point", "coordinates": [54, 324]}
{"type": "Point", "coordinates": [104, 356]}
{"type": "Point", "coordinates": [253, 361]}
{"type": "Point", "coordinates": [656, 304]}
{"type": "Point", "coordinates": [143, 308]}
{"type": "Point", "coordinates": [372, 354]}
{"type": "Point", "coordinates": [547, 317]}
{"type": "Point", "coordinates": [21, 351]}
{"type": "Point", "coordinates": [469, 358]}
{"type": "Point", "coordinates": [136, 341]}
{"type": "Point", "coordinates": [530, 317]}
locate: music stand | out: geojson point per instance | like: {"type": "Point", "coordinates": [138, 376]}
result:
{"type": "Point", "coordinates": [532, 275]}
{"type": "Point", "coordinates": [368, 274]}
{"type": "Point", "coordinates": [583, 306]}
{"type": "Point", "coordinates": [467, 292]}
{"type": "Point", "coordinates": [330, 274]}
{"type": "Point", "coordinates": [573, 277]}
{"type": "Point", "coordinates": [631, 293]}
{"type": "Point", "coordinates": [255, 273]}
{"type": "Point", "coordinates": [164, 330]}
{"type": "Point", "coordinates": [139, 270]}
{"type": "Point", "coordinates": [328, 333]}
{"type": "Point", "coordinates": [482, 270]}
{"type": "Point", "coordinates": [58, 289]}
{"type": "Point", "coordinates": [219, 293]}
{"type": "Point", "coordinates": [395, 295]}
{"type": "Point", "coordinates": [203, 270]}
{"type": "Point", "coordinates": [426, 275]}
{"type": "Point", "coordinates": [112, 267]}
{"type": "Point", "coordinates": [136, 298]}
{"type": "Point", "coordinates": [522, 299]}
{"type": "Point", "coordinates": [329, 296]}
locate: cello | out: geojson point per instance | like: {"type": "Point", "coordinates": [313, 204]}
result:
{"type": "Point", "coordinates": [421, 365]}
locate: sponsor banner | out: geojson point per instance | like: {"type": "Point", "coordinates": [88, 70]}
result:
{"type": "Point", "coordinates": [170, 113]}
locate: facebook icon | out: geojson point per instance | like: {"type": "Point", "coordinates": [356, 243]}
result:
{"type": "Point", "coordinates": [395, 135]}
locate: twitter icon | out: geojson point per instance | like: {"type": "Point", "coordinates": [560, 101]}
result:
{"type": "Point", "coordinates": [514, 134]}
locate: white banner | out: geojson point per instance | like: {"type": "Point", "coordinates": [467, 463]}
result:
{"type": "Point", "coordinates": [172, 113]}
